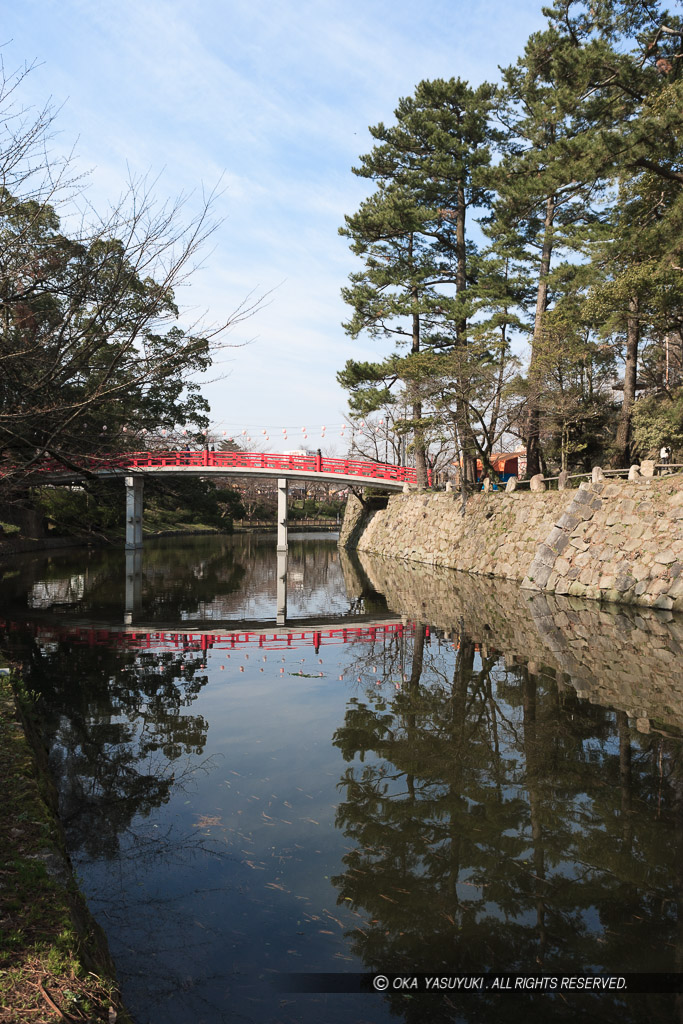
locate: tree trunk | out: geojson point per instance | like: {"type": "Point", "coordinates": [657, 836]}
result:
{"type": "Point", "coordinates": [467, 442]}
{"type": "Point", "coordinates": [462, 677]}
{"type": "Point", "coordinates": [533, 437]}
{"type": "Point", "coordinates": [460, 261]}
{"type": "Point", "coordinates": [420, 450]}
{"type": "Point", "coordinates": [413, 687]}
{"type": "Point", "coordinates": [495, 411]}
{"type": "Point", "coordinates": [625, 779]}
{"type": "Point", "coordinates": [622, 445]}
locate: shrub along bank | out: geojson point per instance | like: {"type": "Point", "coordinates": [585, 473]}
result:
{"type": "Point", "coordinates": [97, 510]}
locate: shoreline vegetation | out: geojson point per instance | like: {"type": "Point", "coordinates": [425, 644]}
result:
{"type": "Point", "coordinates": [54, 958]}
{"type": "Point", "coordinates": [57, 517]}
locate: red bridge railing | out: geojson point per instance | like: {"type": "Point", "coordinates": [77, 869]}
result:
{"type": "Point", "coordinates": [276, 462]}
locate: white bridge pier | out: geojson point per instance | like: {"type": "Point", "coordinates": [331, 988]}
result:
{"type": "Point", "coordinates": [134, 488]}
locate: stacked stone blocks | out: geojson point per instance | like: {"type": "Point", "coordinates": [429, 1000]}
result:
{"type": "Point", "coordinates": [617, 541]}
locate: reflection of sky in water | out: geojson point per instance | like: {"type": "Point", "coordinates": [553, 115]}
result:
{"type": "Point", "coordinates": [243, 873]}
{"type": "Point", "coordinates": [230, 882]}
{"type": "Point", "coordinates": [45, 594]}
{"type": "Point", "coordinates": [315, 585]}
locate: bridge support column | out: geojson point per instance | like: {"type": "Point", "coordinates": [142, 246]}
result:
{"type": "Point", "coordinates": [134, 485]}
{"type": "Point", "coordinates": [133, 584]}
{"type": "Point", "coordinates": [282, 514]}
{"type": "Point", "coordinates": [281, 586]}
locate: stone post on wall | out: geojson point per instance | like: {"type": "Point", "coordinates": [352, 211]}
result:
{"type": "Point", "coordinates": [134, 485]}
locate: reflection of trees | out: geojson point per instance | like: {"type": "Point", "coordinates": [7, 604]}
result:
{"type": "Point", "coordinates": [176, 579]}
{"type": "Point", "coordinates": [182, 579]}
{"type": "Point", "coordinates": [364, 598]}
{"type": "Point", "coordinates": [122, 739]}
{"type": "Point", "coordinates": [499, 824]}
{"type": "Point", "coordinates": [116, 726]}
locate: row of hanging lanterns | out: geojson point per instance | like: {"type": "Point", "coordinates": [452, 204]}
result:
{"type": "Point", "coordinates": [285, 431]}
{"type": "Point", "coordinates": [304, 431]}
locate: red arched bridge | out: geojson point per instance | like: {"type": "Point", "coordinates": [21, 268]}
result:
{"type": "Point", "coordinates": [135, 466]}
{"type": "Point", "coordinates": [207, 463]}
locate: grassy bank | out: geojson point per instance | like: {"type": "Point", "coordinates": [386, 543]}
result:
{"type": "Point", "coordinates": [54, 961]}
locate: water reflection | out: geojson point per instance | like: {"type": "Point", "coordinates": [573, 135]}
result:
{"type": "Point", "coordinates": [282, 562]}
{"type": "Point", "coordinates": [500, 823]}
{"type": "Point", "coordinates": [175, 580]}
{"type": "Point", "coordinates": [620, 657]}
{"type": "Point", "coordinates": [120, 731]}
{"type": "Point", "coordinates": [493, 781]}
{"type": "Point", "coordinates": [133, 598]}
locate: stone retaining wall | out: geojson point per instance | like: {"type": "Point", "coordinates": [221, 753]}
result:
{"type": "Point", "coordinates": [619, 541]}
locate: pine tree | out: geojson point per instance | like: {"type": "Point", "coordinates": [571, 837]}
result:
{"type": "Point", "coordinates": [549, 180]}
{"type": "Point", "coordinates": [633, 73]}
{"type": "Point", "coordinates": [412, 237]}
{"type": "Point", "coordinates": [638, 295]}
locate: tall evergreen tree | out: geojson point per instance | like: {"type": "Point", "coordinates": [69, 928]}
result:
{"type": "Point", "coordinates": [633, 69]}
{"type": "Point", "coordinates": [637, 294]}
{"type": "Point", "coordinates": [547, 181]}
{"type": "Point", "coordinates": [412, 237]}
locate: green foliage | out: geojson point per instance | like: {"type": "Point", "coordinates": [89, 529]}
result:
{"type": "Point", "coordinates": [313, 508]}
{"type": "Point", "coordinates": [423, 280]}
{"type": "Point", "coordinates": [99, 508]}
{"type": "Point", "coordinates": [72, 511]}
{"type": "Point", "coordinates": [93, 357]}
{"type": "Point", "coordinates": [658, 421]}
{"type": "Point", "coordinates": [81, 353]}
{"type": "Point", "coordinates": [583, 206]}
{"type": "Point", "coordinates": [183, 500]}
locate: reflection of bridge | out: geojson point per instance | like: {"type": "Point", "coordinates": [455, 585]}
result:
{"type": "Point", "coordinates": [133, 467]}
{"type": "Point", "coordinates": [133, 592]}
{"type": "Point", "coordinates": [200, 641]}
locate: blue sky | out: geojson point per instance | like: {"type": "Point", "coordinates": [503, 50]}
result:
{"type": "Point", "coordinates": [276, 98]}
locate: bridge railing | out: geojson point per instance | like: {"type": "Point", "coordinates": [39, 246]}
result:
{"type": "Point", "coordinates": [245, 460]}
{"type": "Point", "coordinates": [276, 462]}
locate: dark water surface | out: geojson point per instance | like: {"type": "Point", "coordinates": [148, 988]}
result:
{"type": "Point", "coordinates": [431, 773]}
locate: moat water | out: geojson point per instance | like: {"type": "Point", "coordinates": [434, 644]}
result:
{"type": "Point", "coordinates": [419, 772]}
